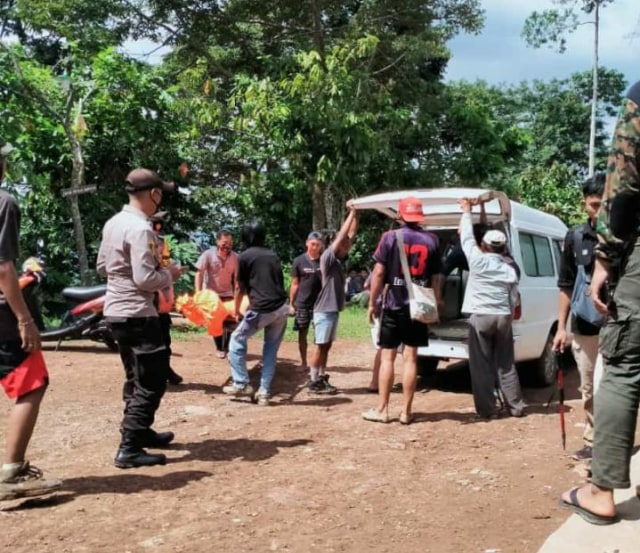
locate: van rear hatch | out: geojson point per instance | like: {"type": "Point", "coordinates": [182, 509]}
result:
{"type": "Point", "coordinates": [442, 211]}
{"type": "Point", "coordinates": [440, 205]}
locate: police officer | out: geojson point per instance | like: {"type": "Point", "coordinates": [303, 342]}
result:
{"type": "Point", "coordinates": [128, 258]}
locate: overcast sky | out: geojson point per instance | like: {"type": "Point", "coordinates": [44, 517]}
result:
{"type": "Point", "coordinates": [500, 55]}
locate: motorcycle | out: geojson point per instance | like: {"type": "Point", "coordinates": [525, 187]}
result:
{"type": "Point", "coordinates": [84, 318]}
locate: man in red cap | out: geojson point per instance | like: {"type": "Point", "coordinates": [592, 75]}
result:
{"type": "Point", "coordinates": [396, 326]}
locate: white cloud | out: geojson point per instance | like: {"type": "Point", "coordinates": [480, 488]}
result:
{"type": "Point", "coordinates": [500, 54]}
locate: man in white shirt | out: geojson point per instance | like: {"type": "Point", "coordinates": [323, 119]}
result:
{"type": "Point", "coordinates": [490, 301]}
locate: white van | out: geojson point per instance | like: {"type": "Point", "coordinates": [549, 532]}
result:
{"type": "Point", "coordinates": [535, 240]}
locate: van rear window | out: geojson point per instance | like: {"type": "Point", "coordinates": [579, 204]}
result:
{"type": "Point", "coordinates": [537, 256]}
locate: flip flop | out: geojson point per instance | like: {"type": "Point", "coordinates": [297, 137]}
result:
{"type": "Point", "coordinates": [586, 514]}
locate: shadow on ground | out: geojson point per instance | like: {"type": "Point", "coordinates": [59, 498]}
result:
{"type": "Point", "coordinates": [129, 483]}
{"type": "Point", "coordinates": [456, 379]}
{"type": "Point", "coordinates": [239, 448]}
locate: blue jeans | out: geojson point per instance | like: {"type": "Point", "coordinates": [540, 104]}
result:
{"type": "Point", "coordinates": [274, 325]}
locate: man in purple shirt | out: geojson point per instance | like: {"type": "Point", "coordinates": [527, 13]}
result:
{"type": "Point", "coordinates": [396, 325]}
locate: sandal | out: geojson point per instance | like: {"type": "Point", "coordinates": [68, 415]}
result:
{"type": "Point", "coordinates": [406, 419]}
{"type": "Point", "coordinates": [374, 415]}
{"type": "Point", "coordinates": [586, 514]}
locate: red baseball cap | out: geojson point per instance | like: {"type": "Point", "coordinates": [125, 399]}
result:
{"type": "Point", "coordinates": [410, 210]}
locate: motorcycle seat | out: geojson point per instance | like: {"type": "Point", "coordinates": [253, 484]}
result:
{"type": "Point", "coordinates": [84, 293]}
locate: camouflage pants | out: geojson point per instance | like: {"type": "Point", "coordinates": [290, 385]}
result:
{"type": "Point", "coordinates": [618, 396]}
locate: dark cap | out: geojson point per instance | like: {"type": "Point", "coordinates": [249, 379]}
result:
{"type": "Point", "coordinates": [145, 179]}
{"type": "Point", "coordinates": [314, 235]}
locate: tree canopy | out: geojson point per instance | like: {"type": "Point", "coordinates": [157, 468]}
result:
{"type": "Point", "coordinates": [282, 110]}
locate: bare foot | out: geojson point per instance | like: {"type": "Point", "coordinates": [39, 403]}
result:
{"type": "Point", "coordinates": [594, 499]}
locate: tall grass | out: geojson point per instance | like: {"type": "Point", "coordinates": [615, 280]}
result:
{"type": "Point", "coordinates": [353, 324]}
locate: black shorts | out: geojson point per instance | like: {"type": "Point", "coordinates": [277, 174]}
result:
{"type": "Point", "coordinates": [303, 319]}
{"type": "Point", "coordinates": [397, 327]}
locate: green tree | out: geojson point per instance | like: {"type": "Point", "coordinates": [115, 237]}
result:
{"type": "Point", "coordinates": [313, 135]}
{"type": "Point", "coordinates": [550, 27]}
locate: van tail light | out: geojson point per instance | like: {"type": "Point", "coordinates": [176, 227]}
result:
{"type": "Point", "coordinates": [517, 313]}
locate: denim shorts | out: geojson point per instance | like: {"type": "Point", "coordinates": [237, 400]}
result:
{"type": "Point", "coordinates": [325, 326]}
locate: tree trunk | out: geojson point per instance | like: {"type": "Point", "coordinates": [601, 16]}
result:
{"type": "Point", "coordinates": [319, 208]}
{"type": "Point", "coordinates": [594, 98]}
{"type": "Point", "coordinates": [78, 180]}
{"type": "Point", "coordinates": [318, 31]}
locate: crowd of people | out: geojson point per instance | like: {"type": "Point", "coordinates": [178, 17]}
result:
{"type": "Point", "coordinates": [601, 259]}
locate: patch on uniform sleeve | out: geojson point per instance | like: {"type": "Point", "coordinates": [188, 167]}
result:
{"type": "Point", "coordinates": [152, 247]}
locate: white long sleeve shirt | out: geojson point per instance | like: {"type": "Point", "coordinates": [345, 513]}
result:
{"type": "Point", "coordinates": [492, 281]}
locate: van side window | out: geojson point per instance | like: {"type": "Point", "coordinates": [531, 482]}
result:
{"type": "Point", "coordinates": [558, 246]}
{"type": "Point", "coordinates": [537, 256]}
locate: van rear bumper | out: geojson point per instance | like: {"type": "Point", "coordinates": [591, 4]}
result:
{"type": "Point", "coordinates": [445, 348]}
{"type": "Point", "coordinates": [455, 349]}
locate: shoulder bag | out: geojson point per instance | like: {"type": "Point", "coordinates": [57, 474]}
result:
{"type": "Point", "coordinates": [422, 301]}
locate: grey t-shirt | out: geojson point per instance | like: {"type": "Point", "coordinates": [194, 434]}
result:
{"type": "Point", "coordinates": [9, 225]}
{"type": "Point", "coordinates": [331, 297]}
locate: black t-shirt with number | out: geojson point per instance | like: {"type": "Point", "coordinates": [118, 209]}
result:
{"type": "Point", "coordinates": [9, 225]}
{"type": "Point", "coordinates": [260, 276]}
{"type": "Point", "coordinates": [307, 271]}
{"type": "Point", "coordinates": [423, 257]}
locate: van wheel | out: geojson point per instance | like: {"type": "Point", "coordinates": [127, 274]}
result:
{"type": "Point", "coordinates": [542, 372]}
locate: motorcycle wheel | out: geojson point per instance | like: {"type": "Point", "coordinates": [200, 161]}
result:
{"type": "Point", "coordinates": [111, 344]}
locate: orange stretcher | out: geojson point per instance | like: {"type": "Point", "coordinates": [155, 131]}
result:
{"type": "Point", "coordinates": [205, 309]}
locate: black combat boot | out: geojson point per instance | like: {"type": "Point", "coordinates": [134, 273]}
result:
{"type": "Point", "coordinates": [156, 440]}
{"type": "Point", "coordinates": [131, 454]}
{"type": "Point", "coordinates": [173, 377]}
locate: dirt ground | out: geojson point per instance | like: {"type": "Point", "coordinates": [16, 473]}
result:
{"type": "Point", "coordinates": [306, 474]}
